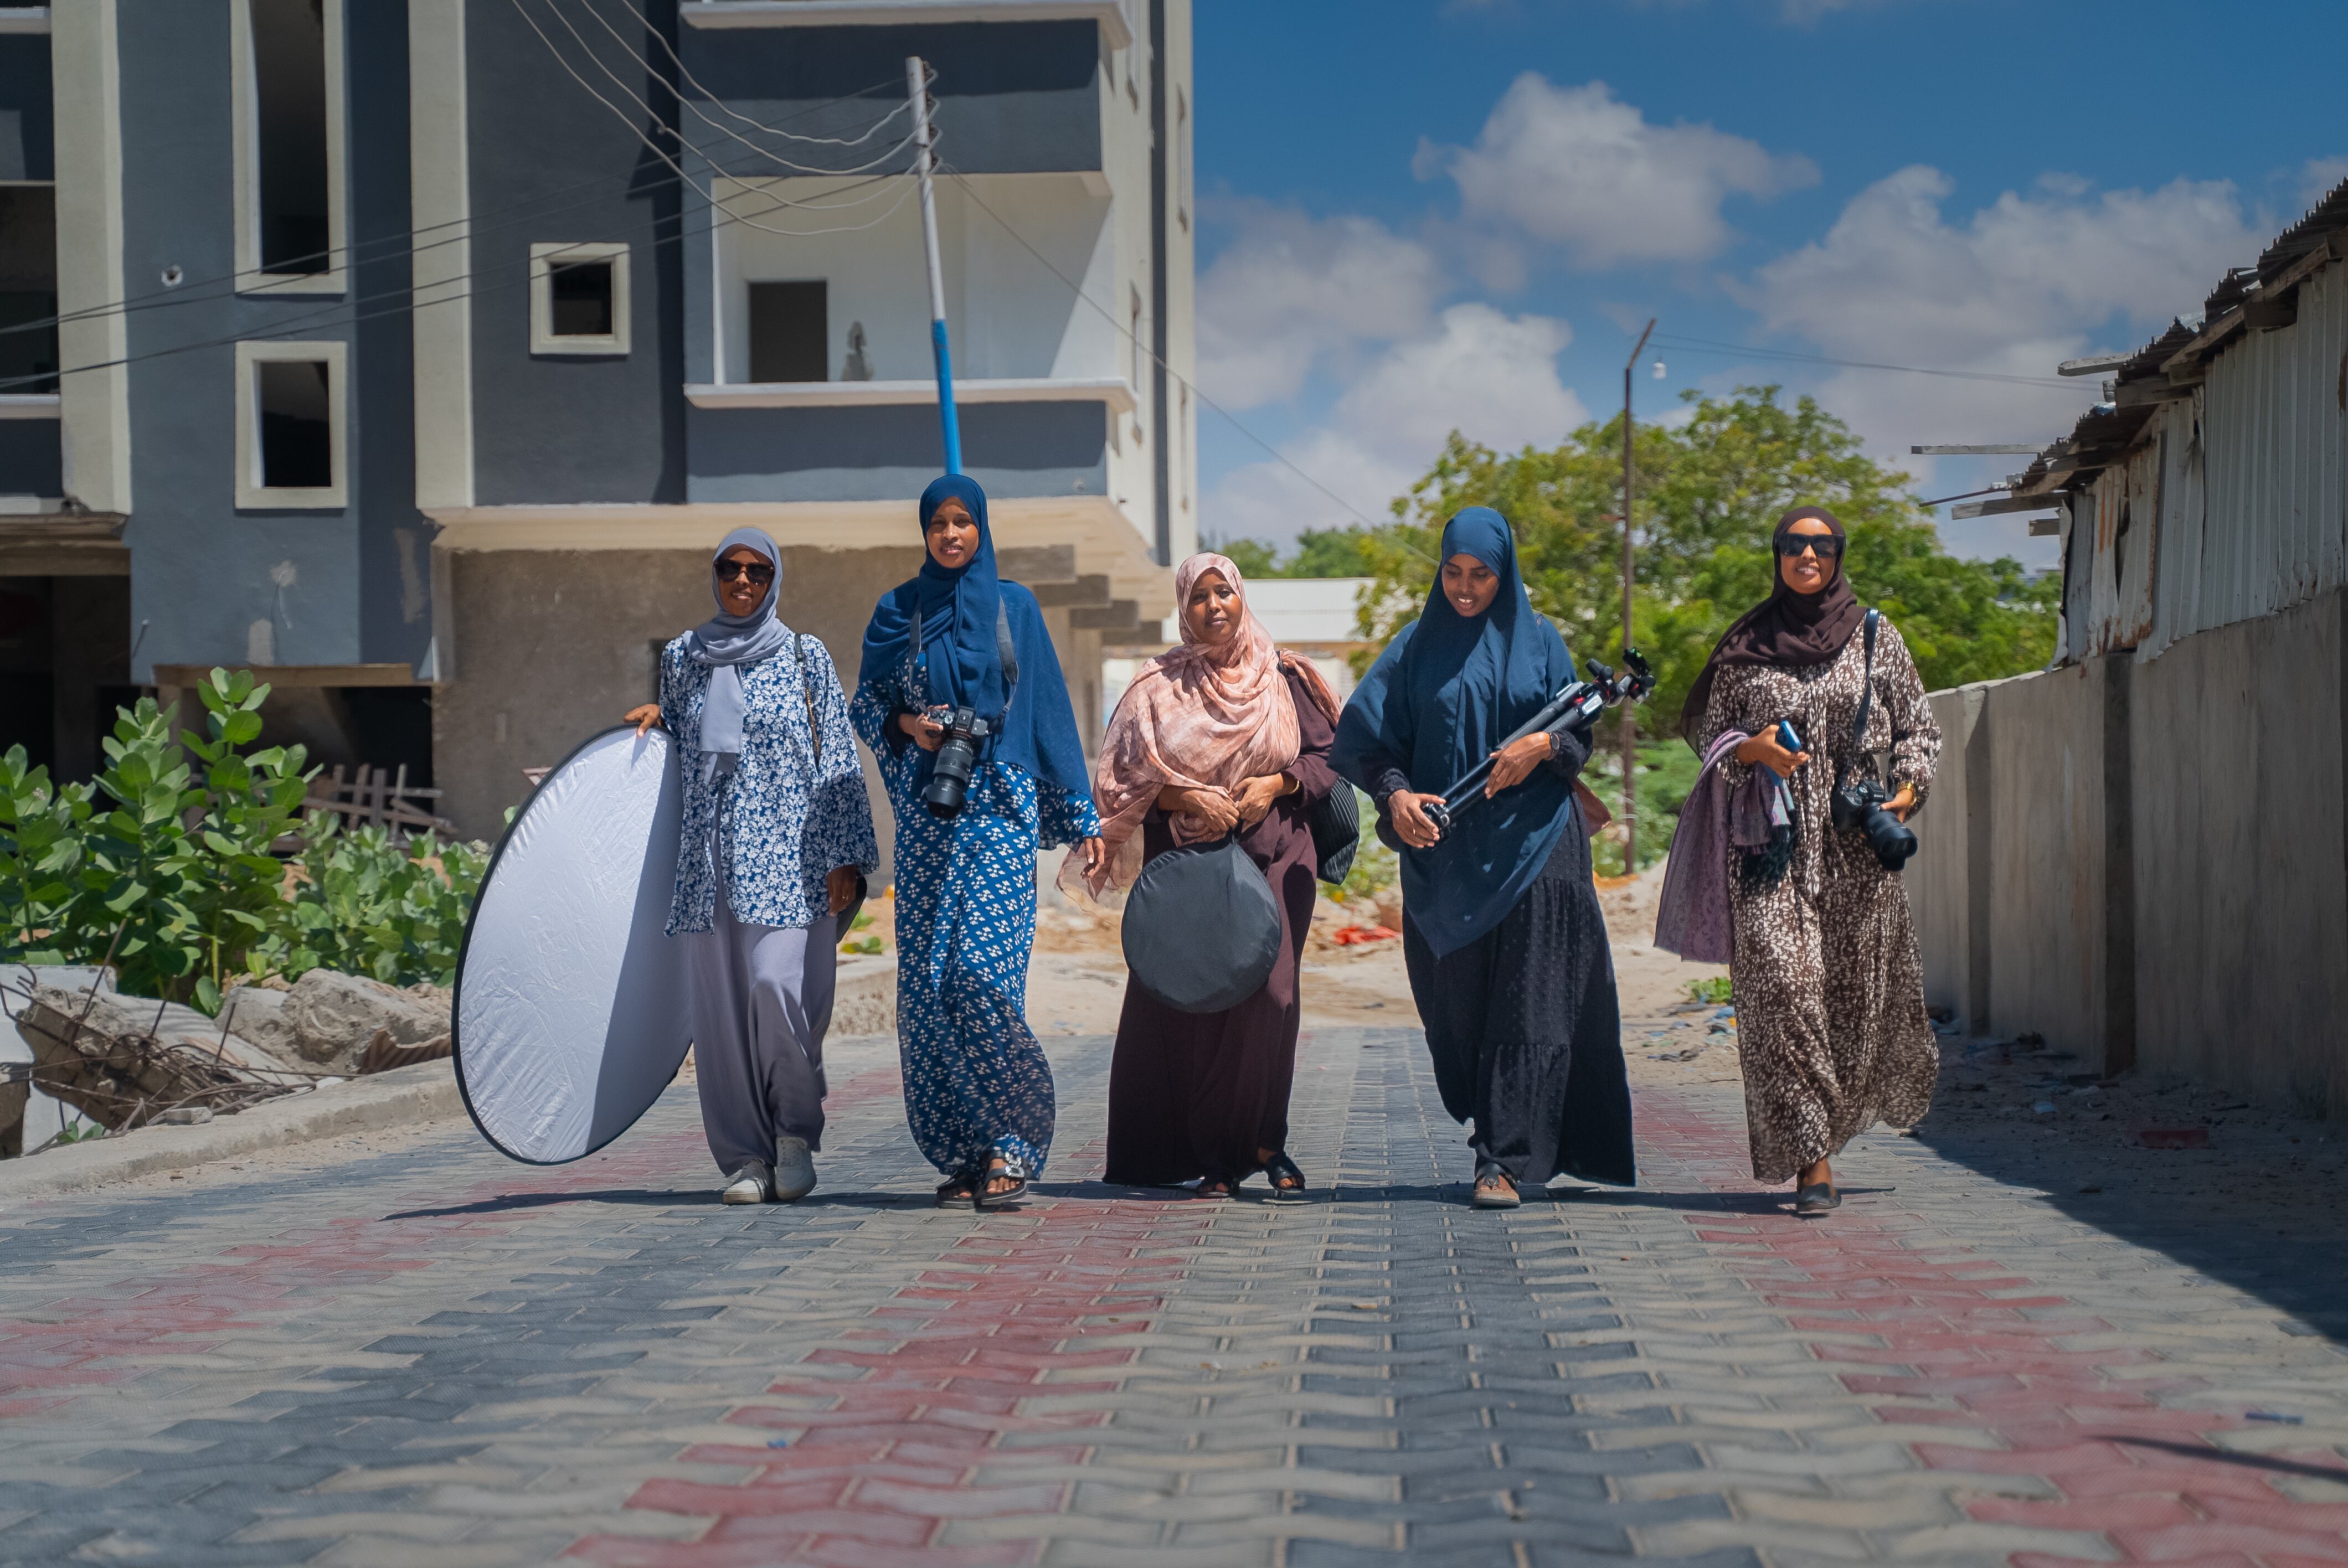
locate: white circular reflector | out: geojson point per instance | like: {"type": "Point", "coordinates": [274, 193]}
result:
{"type": "Point", "coordinates": [571, 1011]}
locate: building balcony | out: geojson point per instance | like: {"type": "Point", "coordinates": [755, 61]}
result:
{"type": "Point", "coordinates": [1112, 390]}
{"type": "Point", "coordinates": [1109, 15]}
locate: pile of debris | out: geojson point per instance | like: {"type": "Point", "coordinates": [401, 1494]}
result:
{"type": "Point", "coordinates": [123, 1061]}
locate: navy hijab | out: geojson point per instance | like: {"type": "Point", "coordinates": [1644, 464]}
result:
{"type": "Point", "coordinates": [1441, 698]}
{"type": "Point", "coordinates": [958, 610]}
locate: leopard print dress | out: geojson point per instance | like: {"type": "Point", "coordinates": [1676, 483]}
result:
{"type": "Point", "coordinates": [1829, 989]}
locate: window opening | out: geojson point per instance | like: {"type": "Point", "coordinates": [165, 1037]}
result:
{"type": "Point", "coordinates": [790, 331]}
{"type": "Point", "coordinates": [581, 299]}
{"type": "Point", "coordinates": [289, 69]}
{"type": "Point", "coordinates": [28, 288]}
{"type": "Point", "coordinates": [297, 440]}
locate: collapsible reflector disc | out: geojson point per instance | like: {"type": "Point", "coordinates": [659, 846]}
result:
{"type": "Point", "coordinates": [570, 1011]}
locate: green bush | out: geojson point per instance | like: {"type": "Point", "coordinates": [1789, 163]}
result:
{"type": "Point", "coordinates": [366, 906]}
{"type": "Point", "coordinates": [174, 873]}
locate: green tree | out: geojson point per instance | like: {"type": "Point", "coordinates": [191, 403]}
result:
{"type": "Point", "coordinates": [1710, 489]}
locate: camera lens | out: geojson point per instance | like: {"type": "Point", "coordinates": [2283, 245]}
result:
{"type": "Point", "coordinates": [1893, 841]}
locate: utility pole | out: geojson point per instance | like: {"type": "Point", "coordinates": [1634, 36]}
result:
{"type": "Point", "coordinates": [1629, 722]}
{"type": "Point", "coordinates": [917, 84]}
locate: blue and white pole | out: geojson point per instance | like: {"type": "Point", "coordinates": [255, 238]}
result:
{"type": "Point", "coordinates": [949, 422]}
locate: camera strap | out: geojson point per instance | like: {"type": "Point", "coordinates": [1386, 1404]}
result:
{"type": "Point", "coordinates": [1866, 696]}
{"type": "Point", "coordinates": [806, 689]}
{"type": "Point", "coordinates": [1003, 652]}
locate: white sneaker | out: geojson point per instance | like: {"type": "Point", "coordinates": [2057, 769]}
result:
{"type": "Point", "coordinates": [794, 1170]}
{"type": "Point", "coordinates": [753, 1183]}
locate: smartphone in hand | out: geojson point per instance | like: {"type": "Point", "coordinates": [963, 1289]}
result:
{"type": "Point", "coordinates": [1787, 737]}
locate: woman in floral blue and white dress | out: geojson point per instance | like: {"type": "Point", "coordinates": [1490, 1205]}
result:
{"type": "Point", "coordinates": [978, 1089]}
{"type": "Point", "coordinates": [776, 842]}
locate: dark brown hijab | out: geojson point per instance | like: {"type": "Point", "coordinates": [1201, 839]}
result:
{"type": "Point", "coordinates": [1788, 629]}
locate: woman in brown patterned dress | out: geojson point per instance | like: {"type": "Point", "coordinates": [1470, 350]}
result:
{"type": "Point", "coordinates": [1830, 989]}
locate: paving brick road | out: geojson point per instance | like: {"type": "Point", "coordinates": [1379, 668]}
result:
{"type": "Point", "coordinates": [422, 1354]}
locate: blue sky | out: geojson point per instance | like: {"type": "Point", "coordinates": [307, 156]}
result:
{"type": "Point", "coordinates": [1459, 212]}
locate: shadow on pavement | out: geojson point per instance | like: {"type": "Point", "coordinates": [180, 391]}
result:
{"type": "Point", "coordinates": [2229, 1456]}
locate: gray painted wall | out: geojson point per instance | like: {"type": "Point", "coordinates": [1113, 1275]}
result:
{"type": "Point", "coordinates": [32, 460]}
{"type": "Point", "coordinates": [335, 585]}
{"type": "Point", "coordinates": [549, 164]}
{"type": "Point", "coordinates": [1012, 98]}
{"type": "Point", "coordinates": [891, 453]}
{"type": "Point", "coordinates": [28, 121]}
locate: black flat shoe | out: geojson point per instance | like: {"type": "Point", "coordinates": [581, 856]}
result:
{"type": "Point", "coordinates": [954, 1192]}
{"type": "Point", "coordinates": [1287, 1181]}
{"type": "Point", "coordinates": [1817, 1198]}
{"type": "Point", "coordinates": [1010, 1171]}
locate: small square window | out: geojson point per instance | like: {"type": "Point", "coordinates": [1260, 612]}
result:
{"type": "Point", "coordinates": [578, 299]}
{"type": "Point", "coordinates": [583, 299]}
{"type": "Point", "coordinates": [289, 425]}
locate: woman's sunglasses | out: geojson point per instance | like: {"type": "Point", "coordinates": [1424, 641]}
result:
{"type": "Point", "coordinates": [1827, 545]}
{"type": "Point", "coordinates": [759, 572]}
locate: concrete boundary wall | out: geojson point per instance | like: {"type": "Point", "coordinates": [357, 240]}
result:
{"type": "Point", "coordinates": [2147, 862]}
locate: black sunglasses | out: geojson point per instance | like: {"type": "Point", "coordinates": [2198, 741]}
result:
{"type": "Point", "coordinates": [759, 572]}
{"type": "Point", "coordinates": [1792, 545]}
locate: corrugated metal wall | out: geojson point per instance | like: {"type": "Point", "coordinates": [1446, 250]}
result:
{"type": "Point", "coordinates": [2248, 481]}
{"type": "Point", "coordinates": [2277, 531]}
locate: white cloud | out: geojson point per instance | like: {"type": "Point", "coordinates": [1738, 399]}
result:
{"type": "Point", "coordinates": [2317, 177]}
{"type": "Point", "coordinates": [2022, 284]}
{"type": "Point", "coordinates": [1477, 370]}
{"type": "Point", "coordinates": [1576, 167]}
{"type": "Point", "coordinates": [1291, 292]}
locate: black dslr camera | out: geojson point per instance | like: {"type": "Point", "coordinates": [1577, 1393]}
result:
{"type": "Point", "coordinates": [957, 755]}
{"type": "Point", "coordinates": [1860, 803]}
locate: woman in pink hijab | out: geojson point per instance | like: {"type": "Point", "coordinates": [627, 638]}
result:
{"type": "Point", "coordinates": [1223, 732]}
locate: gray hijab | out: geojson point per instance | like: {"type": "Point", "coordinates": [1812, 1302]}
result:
{"type": "Point", "coordinates": [724, 642]}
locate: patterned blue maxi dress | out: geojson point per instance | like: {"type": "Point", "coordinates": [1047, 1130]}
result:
{"type": "Point", "coordinates": [976, 1082]}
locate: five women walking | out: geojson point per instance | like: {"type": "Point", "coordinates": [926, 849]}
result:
{"type": "Point", "coordinates": [1783, 855]}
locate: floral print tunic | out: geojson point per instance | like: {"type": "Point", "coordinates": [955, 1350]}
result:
{"type": "Point", "coordinates": [785, 817]}
{"type": "Point", "coordinates": [1828, 986]}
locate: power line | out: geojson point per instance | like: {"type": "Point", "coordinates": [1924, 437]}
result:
{"type": "Point", "coordinates": [228, 284]}
{"type": "Point", "coordinates": [1707, 346]}
{"type": "Point", "coordinates": [333, 315]}
{"type": "Point", "coordinates": [649, 145]}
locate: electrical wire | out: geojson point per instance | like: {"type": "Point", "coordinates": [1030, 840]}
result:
{"type": "Point", "coordinates": [402, 243]}
{"type": "Point", "coordinates": [671, 87]}
{"type": "Point", "coordinates": [694, 108]}
{"type": "Point", "coordinates": [408, 301]}
{"type": "Point", "coordinates": [1706, 346]}
{"type": "Point", "coordinates": [654, 148]}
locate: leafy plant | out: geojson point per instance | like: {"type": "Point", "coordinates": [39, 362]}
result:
{"type": "Point", "coordinates": [1713, 990]}
{"type": "Point", "coordinates": [41, 832]}
{"type": "Point", "coordinates": [361, 904]}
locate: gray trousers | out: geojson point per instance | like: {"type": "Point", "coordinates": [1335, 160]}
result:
{"type": "Point", "coordinates": [761, 1004]}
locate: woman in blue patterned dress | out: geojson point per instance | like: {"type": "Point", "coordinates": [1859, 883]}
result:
{"type": "Point", "coordinates": [775, 841]}
{"type": "Point", "coordinates": [978, 1090]}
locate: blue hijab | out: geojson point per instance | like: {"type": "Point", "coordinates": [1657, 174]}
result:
{"type": "Point", "coordinates": [958, 608]}
{"type": "Point", "coordinates": [1441, 698]}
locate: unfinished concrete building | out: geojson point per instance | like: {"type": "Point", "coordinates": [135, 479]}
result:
{"type": "Point", "coordinates": [414, 354]}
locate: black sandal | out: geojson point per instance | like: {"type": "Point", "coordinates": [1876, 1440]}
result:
{"type": "Point", "coordinates": [1817, 1198]}
{"type": "Point", "coordinates": [954, 1192]}
{"type": "Point", "coordinates": [981, 1194]}
{"type": "Point", "coordinates": [1287, 1181]}
{"type": "Point", "coordinates": [1216, 1188]}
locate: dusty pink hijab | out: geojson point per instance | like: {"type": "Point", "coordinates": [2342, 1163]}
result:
{"type": "Point", "coordinates": [1197, 717]}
